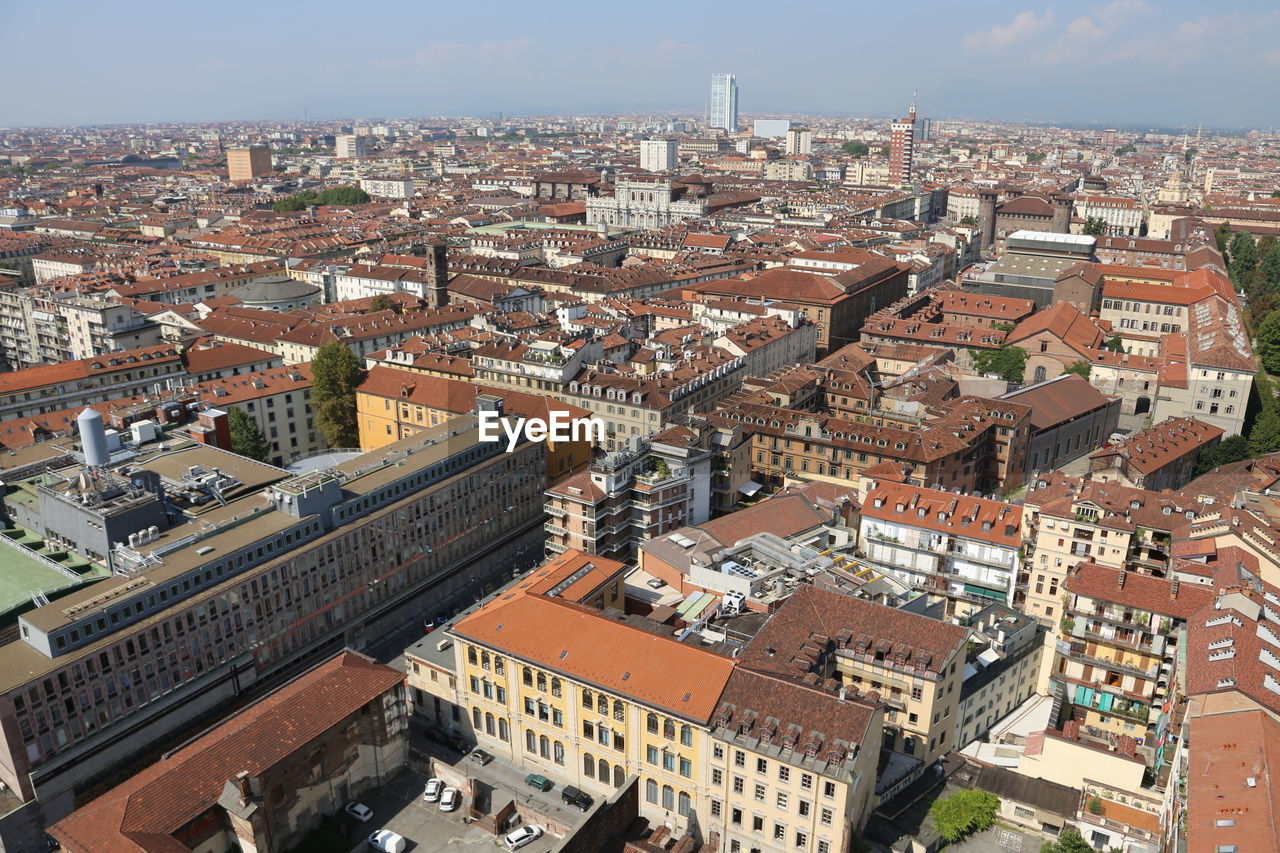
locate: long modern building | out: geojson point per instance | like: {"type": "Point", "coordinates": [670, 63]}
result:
{"type": "Point", "coordinates": [237, 577]}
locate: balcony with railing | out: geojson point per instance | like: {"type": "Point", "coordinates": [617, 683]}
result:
{"type": "Point", "coordinates": [1113, 665]}
{"type": "Point", "coordinates": [1125, 616]}
{"type": "Point", "coordinates": [1134, 639]}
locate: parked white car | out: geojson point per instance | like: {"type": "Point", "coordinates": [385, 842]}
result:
{"type": "Point", "coordinates": [449, 799]}
{"type": "Point", "coordinates": [359, 811]}
{"type": "Point", "coordinates": [522, 836]}
{"type": "Point", "coordinates": [433, 789]}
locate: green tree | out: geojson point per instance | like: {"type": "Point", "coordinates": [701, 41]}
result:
{"type": "Point", "coordinates": [855, 148]}
{"type": "Point", "coordinates": [970, 220]}
{"type": "Point", "coordinates": [884, 152]}
{"type": "Point", "coordinates": [1233, 449]}
{"type": "Point", "coordinates": [964, 812]}
{"type": "Point", "coordinates": [343, 196]}
{"type": "Point", "coordinates": [1095, 226]}
{"type": "Point", "coordinates": [335, 372]}
{"type": "Point", "coordinates": [1244, 258]}
{"type": "Point", "coordinates": [298, 201]}
{"type": "Point", "coordinates": [246, 438]}
{"type": "Point", "coordinates": [1270, 269]}
{"type": "Point", "coordinates": [1223, 236]}
{"type": "Point", "coordinates": [1264, 438]}
{"type": "Point", "coordinates": [287, 205]}
{"type": "Point", "coordinates": [384, 302]}
{"type": "Point", "coordinates": [1269, 342]}
{"type": "Point", "coordinates": [1115, 343]}
{"type": "Point", "coordinates": [1125, 149]}
{"type": "Point", "coordinates": [1081, 367]}
{"type": "Point", "coordinates": [1069, 841]}
{"type": "Point", "coordinates": [1009, 362]}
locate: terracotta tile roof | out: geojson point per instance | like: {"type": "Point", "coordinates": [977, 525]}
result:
{"type": "Point", "coordinates": [208, 356]}
{"type": "Point", "coordinates": [144, 812]}
{"type": "Point", "coordinates": [586, 572]}
{"type": "Point", "coordinates": [587, 645]}
{"type": "Point", "coordinates": [785, 713]}
{"type": "Point", "coordinates": [455, 395]}
{"type": "Point", "coordinates": [1144, 592]}
{"type": "Point", "coordinates": [1227, 751]}
{"type": "Point", "coordinates": [814, 616]}
{"type": "Point", "coordinates": [1059, 400]}
{"type": "Point", "coordinates": [995, 522]}
{"type": "Point", "coordinates": [1163, 294]}
{"type": "Point", "coordinates": [786, 284]}
{"type": "Point", "coordinates": [18, 381]}
{"type": "Point", "coordinates": [1168, 441]}
{"type": "Point", "coordinates": [1064, 322]}
{"type": "Point", "coordinates": [784, 516]}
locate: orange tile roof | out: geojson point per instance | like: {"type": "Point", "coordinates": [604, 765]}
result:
{"type": "Point", "coordinates": [144, 812]}
{"type": "Point", "coordinates": [586, 645]}
{"type": "Point", "coordinates": [959, 515]}
{"type": "Point", "coordinates": [51, 374]}
{"type": "Point", "coordinates": [1226, 751]}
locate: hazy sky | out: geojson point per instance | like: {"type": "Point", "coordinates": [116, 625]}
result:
{"type": "Point", "coordinates": [1128, 61]}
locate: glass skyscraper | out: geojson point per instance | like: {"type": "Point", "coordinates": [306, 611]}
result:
{"type": "Point", "coordinates": [723, 111]}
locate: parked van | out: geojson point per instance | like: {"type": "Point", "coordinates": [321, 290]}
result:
{"type": "Point", "coordinates": [386, 841]}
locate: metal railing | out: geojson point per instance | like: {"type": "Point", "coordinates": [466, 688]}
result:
{"type": "Point", "coordinates": [42, 559]}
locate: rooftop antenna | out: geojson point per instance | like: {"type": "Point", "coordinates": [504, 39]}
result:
{"type": "Point", "coordinates": [913, 104]}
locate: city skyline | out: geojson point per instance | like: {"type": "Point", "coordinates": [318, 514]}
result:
{"type": "Point", "coordinates": [1174, 53]}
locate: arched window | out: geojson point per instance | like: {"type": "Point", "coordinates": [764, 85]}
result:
{"type": "Point", "coordinates": [651, 722]}
{"type": "Point", "coordinates": [530, 741]}
{"type": "Point", "coordinates": [484, 660]}
{"type": "Point", "coordinates": [684, 804]}
{"type": "Point", "coordinates": [651, 791]}
{"type": "Point", "coordinates": [588, 766]}
{"type": "Point", "coordinates": [555, 687]}
{"type": "Point", "coordinates": [669, 729]}
{"type": "Point", "coordinates": [475, 718]}
{"type": "Point", "coordinates": [544, 746]}
{"type": "Point", "coordinates": [1040, 374]}
{"type": "Point", "coordinates": [586, 700]}
{"type": "Point", "coordinates": [604, 771]}
{"type": "Point", "coordinates": [559, 753]}
{"type": "Point", "coordinates": [617, 710]}
{"type": "Point", "coordinates": [668, 797]}
{"type": "Point", "coordinates": [488, 724]}
{"type": "Point", "coordinates": [542, 682]}
{"type": "Point", "coordinates": [602, 705]}
{"type": "Point", "coordinates": [619, 775]}
{"type": "Point", "coordinates": [528, 677]}
{"type": "Point", "coordinates": [504, 732]}
{"type": "Point", "coordinates": [686, 735]}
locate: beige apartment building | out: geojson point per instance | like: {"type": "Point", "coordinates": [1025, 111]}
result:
{"type": "Point", "coordinates": [912, 663]}
{"type": "Point", "coordinates": [1120, 646]}
{"type": "Point", "coordinates": [546, 680]}
{"type": "Point", "coordinates": [245, 164]}
{"type": "Point", "coordinates": [793, 766]}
